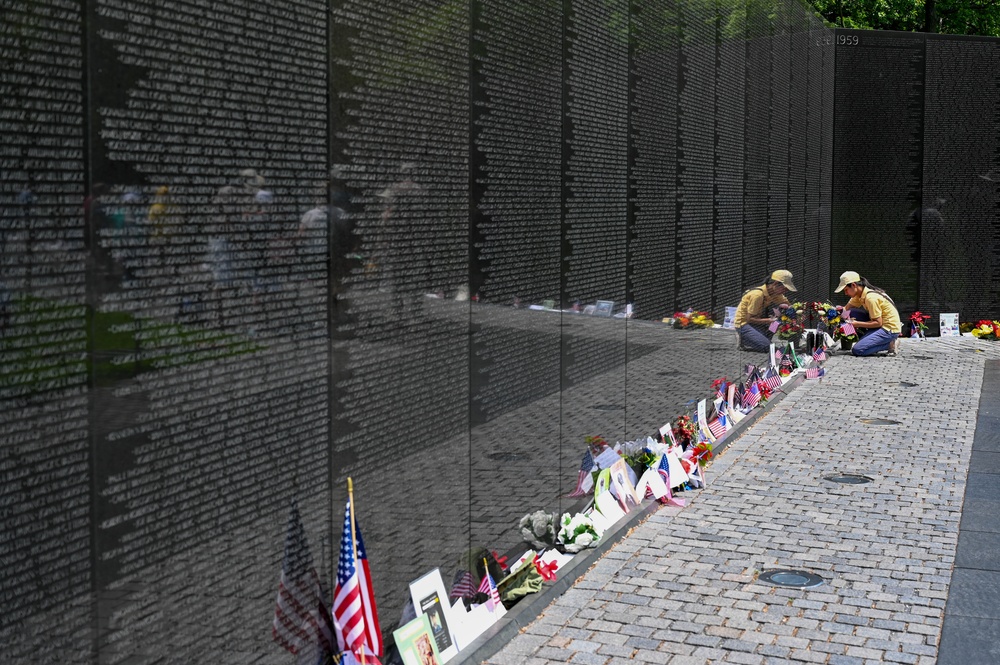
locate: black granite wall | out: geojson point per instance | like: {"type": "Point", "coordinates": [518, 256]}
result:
{"type": "Point", "coordinates": [249, 251]}
{"type": "Point", "coordinates": [916, 187]}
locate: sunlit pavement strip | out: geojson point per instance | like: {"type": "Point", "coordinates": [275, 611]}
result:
{"type": "Point", "coordinates": [682, 588]}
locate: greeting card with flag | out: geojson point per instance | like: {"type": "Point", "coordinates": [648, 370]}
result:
{"type": "Point", "coordinates": [651, 484]}
{"type": "Point", "coordinates": [675, 470]}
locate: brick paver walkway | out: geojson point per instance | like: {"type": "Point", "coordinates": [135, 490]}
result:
{"type": "Point", "coordinates": [682, 587]}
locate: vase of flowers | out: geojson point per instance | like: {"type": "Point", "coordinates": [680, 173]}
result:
{"type": "Point", "coordinates": [831, 320]}
{"type": "Point", "coordinates": [918, 324]}
{"type": "Point", "coordinates": [685, 431]}
{"type": "Point", "coordinates": [790, 323]}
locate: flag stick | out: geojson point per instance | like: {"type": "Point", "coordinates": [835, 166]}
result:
{"type": "Point", "coordinates": [354, 540]}
{"type": "Point", "coordinates": [354, 537]}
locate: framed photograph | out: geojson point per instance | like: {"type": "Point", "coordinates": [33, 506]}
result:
{"type": "Point", "coordinates": [431, 600]}
{"type": "Point", "coordinates": [604, 308]}
{"type": "Point", "coordinates": [416, 644]}
{"type": "Point", "coordinates": [589, 309]}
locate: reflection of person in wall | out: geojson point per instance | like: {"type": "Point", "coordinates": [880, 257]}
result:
{"type": "Point", "coordinates": [754, 315]}
{"type": "Point", "coordinates": [399, 258]}
{"type": "Point", "coordinates": [873, 314]}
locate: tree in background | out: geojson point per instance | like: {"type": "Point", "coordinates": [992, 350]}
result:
{"type": "Point", "coordinates": [954, 17]}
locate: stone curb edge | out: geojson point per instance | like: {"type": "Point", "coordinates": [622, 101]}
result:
{"type": "Point", "coordinates": [529, 609]}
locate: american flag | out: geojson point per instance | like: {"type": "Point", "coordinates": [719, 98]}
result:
{"type": "Point", "coordinates": [488, 586]}
{"type": "Point", "coordinates": [777, 355]}
{"type": "Point", "coordinates": [722, 387]}
{"type": "Point", "coordinates": [771, 379]}
{"type": "Point", "coordinates": [848, 328]}
{"type": "Point", "coordinates": [753, 375]}
{"type": "Point", "coordinates": [815, 372]}
{"type": "Point", "coordinates": [464, 585]}
{"type": "Point", "coordinates": [302, 622]}
{"type": "Point", "coordinates": [354, 615]}
{"type": "Point", "coordinates": [752, 397]}
{"type": "Point", "coordinates": [750, 370]}
{"type": "Point", "coordinates": [739, 396]}
{"type": "Point", "coordinates": [718, 426]}
{"type": "Point", "coordinates": [583, 480]}
{"type": "Point", "coordinates": [819, 355]}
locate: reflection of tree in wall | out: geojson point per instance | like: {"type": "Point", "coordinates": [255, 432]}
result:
{"type": "Point", "coordinates": [955, 17]}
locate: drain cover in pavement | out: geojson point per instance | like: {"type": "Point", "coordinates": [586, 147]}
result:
{"type": "Point", "coordinates": [608, 407]}
{"type": "Point", "coordinates": [880, 421]}
{"type": "Point", "coordinates": [848, 479]}
{"type": "Point", "coordinates": [798, 579]}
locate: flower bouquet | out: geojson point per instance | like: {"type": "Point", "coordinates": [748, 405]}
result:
{"type": "Point", "coordinates": [685, 431]}
{"type": "Point", "coordinates": [987, 329]}
{"type": "Point", "coordinates": [637, 455]}
{"type": "Point", "coordinates": [832, 318]}
{"type": "Point", "coordinates": [918, 327]}
{"type": "Point", "coordinates": [577, 533]}
{"type": "Point", "coordinates": [790, 322]}
{"type": "Point", "coordinates": [538, 528]}
{"type": "Point", "coordinates": [702, 452]}
{"type": "Point", "coordinates": [692, 319]}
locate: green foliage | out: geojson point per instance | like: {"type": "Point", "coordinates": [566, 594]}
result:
{"type": "Point", "coordinates": [955, 17]}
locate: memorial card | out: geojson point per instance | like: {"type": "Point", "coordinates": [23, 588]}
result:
{"type": "Point", "coordinates": [949, 325]}
{"type": "Point", "coordinates": [415, 643]}
{"type": "Point", "coordinates": [431, 600]}
{"type": "Point", "coordinates": [730, 320]}
{"type": "Point", "coordinates": [622, 486]}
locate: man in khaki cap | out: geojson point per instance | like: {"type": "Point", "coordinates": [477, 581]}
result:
{"type": "Point", "coordinates": [753, 316]}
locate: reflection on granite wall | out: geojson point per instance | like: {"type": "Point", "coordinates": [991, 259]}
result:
{"type": "Point", "coordinates": [916, 194]}
{"type": "Point", "coordinates": [251, 250]}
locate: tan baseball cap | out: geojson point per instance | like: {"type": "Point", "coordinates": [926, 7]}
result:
{"type": "Point", "coordinates": [785, 277]}
{"type": "Point", "coordinates": [849, 277]}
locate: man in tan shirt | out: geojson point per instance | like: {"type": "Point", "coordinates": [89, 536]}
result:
{"type": "Point", "coordinates": [754, 315]}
